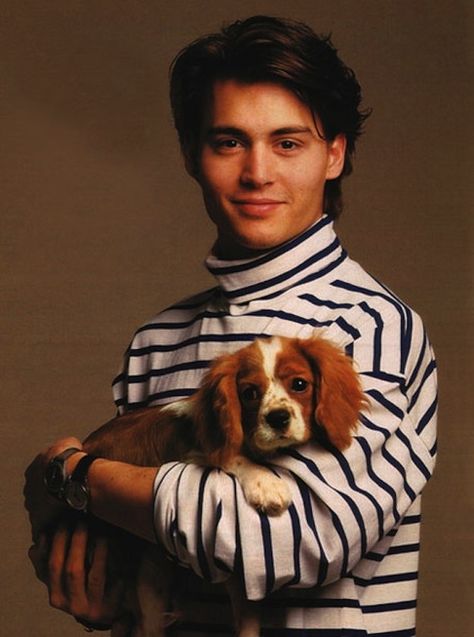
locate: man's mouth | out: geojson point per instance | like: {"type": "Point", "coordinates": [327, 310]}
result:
{"type": "Point", "coordinates": [257, 207]}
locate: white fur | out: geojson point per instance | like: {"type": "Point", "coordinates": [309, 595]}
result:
{"type": "Point", "coordinates": [179, 408]}
{"type": "Point", "coordinates": [276, 397]}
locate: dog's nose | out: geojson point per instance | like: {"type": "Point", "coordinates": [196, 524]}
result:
{"type": "Point", "coordinates": [278, 418]}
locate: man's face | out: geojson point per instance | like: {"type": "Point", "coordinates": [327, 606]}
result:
{"type": "Point", "coordinates": [262, 166]}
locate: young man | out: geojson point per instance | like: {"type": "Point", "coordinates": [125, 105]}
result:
{"type": "Point", "coordinates": [268, 117]}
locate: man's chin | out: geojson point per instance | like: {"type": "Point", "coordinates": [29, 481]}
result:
{"type": "Point", "coordinates": [243, 248]}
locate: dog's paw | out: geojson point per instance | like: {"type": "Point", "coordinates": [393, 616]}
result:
{"type": "Point", "coordinates": [267, 493]}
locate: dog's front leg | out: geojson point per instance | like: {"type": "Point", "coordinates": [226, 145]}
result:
{"type": "Point", "coordinates": [262, 488]}
{"type": "Point", "coordinates": [153, 590]}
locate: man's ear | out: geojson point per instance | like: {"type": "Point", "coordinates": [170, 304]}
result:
{"type": "Point", "coordinates": [336, 156]}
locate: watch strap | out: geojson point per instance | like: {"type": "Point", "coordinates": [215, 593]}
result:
{"type": "Point", "coordinates": [67, 453]}
{"type": "Point", "coordinates": [80, 471]}
{"type": "Point", "coordinates": [55, 473]}
{"type": "Point", "coordinates": [76, 490]}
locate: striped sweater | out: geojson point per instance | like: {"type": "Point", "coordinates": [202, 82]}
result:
{"type": "Point", "coordinates": [343, 559]}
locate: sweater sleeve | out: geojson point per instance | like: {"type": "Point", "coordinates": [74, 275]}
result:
{"type": "Point", "coordinates": [343, 502]}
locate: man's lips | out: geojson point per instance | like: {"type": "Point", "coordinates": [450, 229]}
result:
{"type": "Point", "coordinates": [257, 207]}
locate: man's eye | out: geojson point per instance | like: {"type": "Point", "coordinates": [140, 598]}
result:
{"type": "Point", "coordinates": [250, 393]}
{"type": "Point", "coordinates": [299, 384]}
{"type": "Point", "coordinates": [287, 144]}
{"type": "Point", "coordinates": [225, 144]}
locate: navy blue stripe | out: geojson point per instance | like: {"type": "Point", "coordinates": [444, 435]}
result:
{"type": "Point", "coordinates": [347, 327]}
{"type": "Point", "coordinates": [377, 342]}
{"type": "Point", "coordinates": [337, 523]}
{"type": "Point", "coordinates": [308, 509]}
{"type": "Point", "coordinates": [401, 309]}
{"type": "Point", "coordinates": [394, 550]}
{"type": "Point", "coordinates": [165, 371]}
{"type": "Point", "coordinates": [386, 579]}
{"type": "Point", "coordinates": [388, 457]}
{"type": "Point", "coordinates": [427, 373]}
{"type": "Point", "coordinates": [352, 483]}
{"type": "Point", "coordinates": [389, 406]}
{"type": "Point", "coordinates": [294, 318]}
{"type": "Point", "coordinates": [404, 548]}
{"type": "Point", "coordinates": [401, 470]}
{"type": "Point", "coordinates": [179, 325]}
{"type": "Point", "coordinates": [296, 528]}
{"type": "Point", "coordinates": [217, 518]}
{"type": "Point", "coordinates": [415, 459]}
{"type": "Point", "coordinates": [426, 418]}
{"type": "Point", "coordinates": [171, 531]}
{"type": "Point", "coordinates": [200, 550]}
{"type": "Point", "coordinates": [419, 361]}
{"type": "Point", "coordinates": [238, 560]}
{"type": "Point", "coordinates": [371, 425]}
{"type": "Point", "coordinates": [268, 553]}
{"type": "Point", "coordinates": [284, 276]}
{"type": "Point", "coordinates": [384, 376]}
{"type": "Point", "coordinates": [270, 256]}
{"type": "Point", "coordinates": [323, 271]}
{"type": "Point", "coordinates": [406, 341]}
{"type": "Point", "coordinates": [408, 632]}
{"type": "Point", "coordinates": [304, 320]}
{"type": "Point", "coordinates": [411, 519]}
{"type": "Point", "coordinates": [389, 607]}
{"type": "Point", "coordinates": [375, 478]}
{"type": "Point", "coordinates": [202, 338]}
{"type": "Point", "coordinates": [332, 305]}
{"type": "Point", "coordinates": [406, 326]}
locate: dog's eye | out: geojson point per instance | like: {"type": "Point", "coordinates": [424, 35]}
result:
{"type": "Point", "coordinates": [250, 393]}
{"type": "Point", "coordinates": [299, 384]}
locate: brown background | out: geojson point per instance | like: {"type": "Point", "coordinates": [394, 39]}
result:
{"type": "Point", "coordinates": [100, 228]}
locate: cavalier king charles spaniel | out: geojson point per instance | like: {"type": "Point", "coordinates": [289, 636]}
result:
{"type": "Point", "coordinates": [275, 393]}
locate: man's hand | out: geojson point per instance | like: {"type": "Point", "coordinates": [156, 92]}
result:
{"type": "Point", "coordinates": [72, 567]}
{"type": "Point", "coordinates": [42, 508]}
{"type": "Point", "coordinates": [77, 581]}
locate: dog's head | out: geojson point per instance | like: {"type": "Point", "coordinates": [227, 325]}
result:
{"type": "Point", "coordinates": [275, 393]}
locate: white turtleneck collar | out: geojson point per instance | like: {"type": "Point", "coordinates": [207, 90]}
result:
{"type": "Point", "coordinates": [308, 256]}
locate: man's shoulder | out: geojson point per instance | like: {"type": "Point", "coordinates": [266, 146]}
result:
{"type": "Point", "coordinates": [179, 316]}
{"type": "Point", "coordinates": [363, 288]}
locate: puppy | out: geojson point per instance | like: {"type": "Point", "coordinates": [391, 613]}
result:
{"type": "Point", "coordinates": [275, 393]}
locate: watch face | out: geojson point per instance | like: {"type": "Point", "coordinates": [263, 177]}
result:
{"type": "Point", "coordinates": [76, 495]}
{"type": "Point", "coordinates": [54, 477]}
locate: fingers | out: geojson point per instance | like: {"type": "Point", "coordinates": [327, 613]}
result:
{"type": "Point", "coordinates": [75, 571]}
{"type": "Point", "coordinates": [57, 559]}
{"type": "Point", "coordinates": [77, 583]}
{"type": "Point", "coordinates": [67, 571]}
{"type": "Point", "coordinates": [97, 572]}
{"type": "Point", "coordinates": [38, 554]}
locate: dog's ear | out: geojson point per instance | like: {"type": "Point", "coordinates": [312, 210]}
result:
{"type": "Point", "coordinates": [217, 412]}
{"type": "Point", "coordinates": [339, 396]}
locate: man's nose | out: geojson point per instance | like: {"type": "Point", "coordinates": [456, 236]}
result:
{"type": "Point", "coordinates": [258, 167]}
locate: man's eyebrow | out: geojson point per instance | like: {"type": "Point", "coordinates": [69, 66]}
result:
{"type": "Point", "coordinates": [291, 130]}
{"type": "Point", "coordinates": [238, 132]}
{"type": "Point", "coordinates": [224, 130]}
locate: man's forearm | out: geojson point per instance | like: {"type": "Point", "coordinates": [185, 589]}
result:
{"type": "Point", "coordinates": [121, 494]}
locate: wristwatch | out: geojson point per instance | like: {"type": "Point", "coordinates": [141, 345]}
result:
{"type": "Point", "coordinates": [55, 472]}
{"type": "Point", "coordinates": [76, 490]}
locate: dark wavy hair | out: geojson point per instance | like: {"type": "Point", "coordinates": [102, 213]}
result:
{"type": "Point", "coordinates": [268, 49]}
